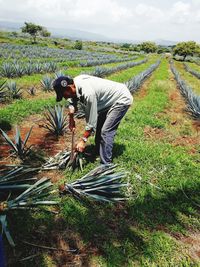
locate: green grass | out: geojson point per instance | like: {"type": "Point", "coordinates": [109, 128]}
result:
{"type": "Point", "coordinates": [16, 112]}
{"type": "Point", "coordinates": [142, 233]}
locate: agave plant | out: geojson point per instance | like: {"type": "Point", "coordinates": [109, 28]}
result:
{"type": "Point", "coordinates": [7, 70]}
{"type": "Point", "coordinates": [37, 68]}
{"type": "Point", "coordinates": [18, 70]}
{"type": "Point", "coordinates": [46, 83]}
{"type": "Point", "coordinates": [3, 92]}
{"type": "Point", "coordinates": [38, 194]}
{"type": "Point", "coordinates": [102, 71]}
{"type": "Point", "coordinates": [59, 74]}
{"type": "Point", "coordinates": [64, 159]}
{"type": "Point", "coordinates": [29, 69]}
{"type": "Point", "coordinates": [19, 146]}
{"type": "Point", "coordinates": [51, 66]}
{"type": "Point", "coordinates": [56, 120]}
{"type": "Point", "coordinates": [15, 177]}
{"type": "Point", "coordinates": [101, 184]}
{"type": "Point", "coordinates": [13, 90]}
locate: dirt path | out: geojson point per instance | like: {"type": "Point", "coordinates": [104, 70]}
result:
{"type": "Point", "coordinates": [181, 130]}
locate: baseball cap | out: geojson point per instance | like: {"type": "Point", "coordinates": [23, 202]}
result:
{"type": "Point", "coordinates": [60, 84]}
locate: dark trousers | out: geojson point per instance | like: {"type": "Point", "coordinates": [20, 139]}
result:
{"type": "Point", "coordinates": [107, 124]}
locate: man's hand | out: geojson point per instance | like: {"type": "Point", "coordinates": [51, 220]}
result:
{"type": "Point", "coordinates": [80, 147]}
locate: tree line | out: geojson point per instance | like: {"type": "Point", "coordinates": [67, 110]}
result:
{"type": "Point", "coordinates": [183, 49]}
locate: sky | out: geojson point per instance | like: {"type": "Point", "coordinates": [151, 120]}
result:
{"type": "Point", "coordinates": [175, 20]}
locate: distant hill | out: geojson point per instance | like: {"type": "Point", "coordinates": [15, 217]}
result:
{"type": "Point", "coordinates": [79, 34]}
{"type": "Point", "coordinates": [165, 42]}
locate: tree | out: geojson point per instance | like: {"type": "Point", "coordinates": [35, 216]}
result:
{"type": "Point", "coordinates": [44, 32]}
{"type": "Point", "coordinates": [186, 49]}
{"type": "Point", "coordinates": [78, 45]}
{"type": "Point", "coordinates": [148, 47]}
{"type": "Point", "coordinates": [35, 30]}
{"type": "Point", "coordinates": [126, 46]}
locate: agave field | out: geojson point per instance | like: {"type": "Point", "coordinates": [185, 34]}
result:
{"type": "Point", "coordinates": [60, 208]}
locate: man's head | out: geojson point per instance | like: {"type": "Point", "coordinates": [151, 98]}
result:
{"type": "Point", "coordinates": [64, 87]}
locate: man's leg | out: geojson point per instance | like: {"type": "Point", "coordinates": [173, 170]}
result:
{"type": "Point", "coordinates": [100, 121]}
{"type": "Point", "coordinates": [108, 132]}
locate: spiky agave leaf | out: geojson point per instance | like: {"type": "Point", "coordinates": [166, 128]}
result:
{"type": "Point", "coordinates": [37, 194]}
{"type": "Point", "coordinates": [63, 160]}
{"type": "Point", "coordinates": [13, 90]}
{"type": "Point", "coordinates": [7, 70]}
{"type": "Point", "coordinates": [4, 224]}
{"type": "Point", "coordinates": [56, 120]}
{"type": "Point", "coordinates": [101, 184]}
{"type": "Point", "coordinates": [18, 177]}
{"type": "Point", "coordinates": [19, 147]}
{"type": "Point", "coordinates": [3, 92]}
{"type": "Point", "coordinates": [18, 70]}
{"type": "Point", "coordinates": [59, 74]}
{"type": "Point", "coordinates": [47, 83]}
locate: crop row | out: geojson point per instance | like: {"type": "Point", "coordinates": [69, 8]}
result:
{"type": "Point", "coordinates": [102, 71]}
{"type": "Point", "coordinates": [191, 99]}
{"type": "Point", "coordinates": [10, 70]}
{"type": "Point", "coordinates": [193, 72]}
{"type": "Point", "coordinates": [9, 51]}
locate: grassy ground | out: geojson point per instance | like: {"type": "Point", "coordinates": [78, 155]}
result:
{"type": "Point", "coordinates": [160, 226]}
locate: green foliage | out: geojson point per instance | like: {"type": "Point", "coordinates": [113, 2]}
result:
{"type": "Point", "coordinates": [47, 83]}
{"type": "Point", "coordinates": [56, 120]}
{"type": "Point", "coordinates": [101, 184]}
{"type": "Point", "coordinates": [45, 33]}
{"type": "Point", "coordinates": [126, 46]}
{"type": "Point", "coordinates": [20, 109]}
{"type": "Point", "coordinates": [148, 47]}
{"type": "Point", "coordinates": [34, 30]}
{"type": "Point", "coordinates": [18, 146]}
{"type": "Point", "coordinates": [186, 49]}
{"type": "Point", "coordinates": [162, 49]}
{"type": "Point", "coordinates": [78, 45]}
{"type": "Point", "coordinates": [14, 91]}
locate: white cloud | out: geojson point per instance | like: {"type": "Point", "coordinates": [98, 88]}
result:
{"type": "Point", "coordinates": [198, 17]}
{"type": "Point", "coordinates": [180, 13]}
{"type": "Point", "coordinates": [152, 14]}
{"type": "Point", "coordinates": [117, 18]}
{"type": "Point", "coordinates": [104, 11]}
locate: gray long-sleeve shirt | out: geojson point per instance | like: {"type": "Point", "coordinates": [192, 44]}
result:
{"type": "Point", "coordinates": [97, 94]}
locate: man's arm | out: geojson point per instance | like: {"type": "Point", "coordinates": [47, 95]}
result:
{"type": "Point", "coordinates": [91, 119]}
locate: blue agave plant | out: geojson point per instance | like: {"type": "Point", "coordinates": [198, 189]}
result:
{"type": "Point", "coordinates": [18, 146]}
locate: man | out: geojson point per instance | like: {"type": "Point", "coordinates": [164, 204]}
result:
{"type": "Point", "coordinates": [105, 103]}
